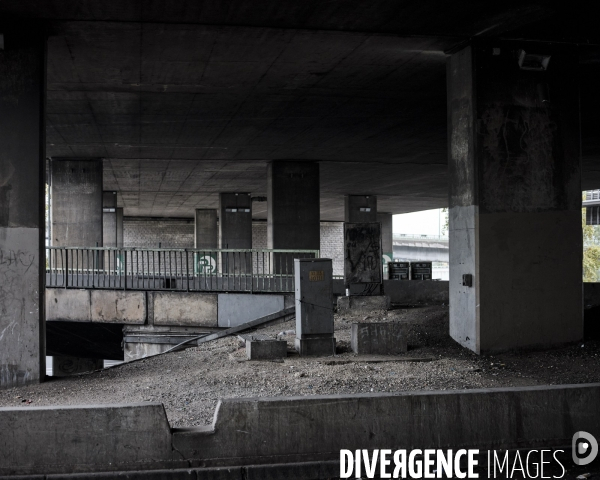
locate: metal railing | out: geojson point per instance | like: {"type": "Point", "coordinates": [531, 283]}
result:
{"type": "Point", "coordinates": [402, 236]}
{"type": "Point", "coordinates": [180, 269]}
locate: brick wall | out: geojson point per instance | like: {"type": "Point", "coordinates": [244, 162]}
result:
{"type": "Point", "coordinates": [148, 233]}
{"type": "Point", "coordinates": [179, 233]}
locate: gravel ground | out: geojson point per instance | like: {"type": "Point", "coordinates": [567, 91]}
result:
{"type": "Point", "coordinates": [189, 383]}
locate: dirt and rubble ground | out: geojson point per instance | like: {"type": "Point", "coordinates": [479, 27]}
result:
{"type": "Point", "coordinates": [189, 383]}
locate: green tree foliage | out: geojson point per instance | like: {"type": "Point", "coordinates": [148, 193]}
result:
{"type": "Point", "coordinates": [591, 251]}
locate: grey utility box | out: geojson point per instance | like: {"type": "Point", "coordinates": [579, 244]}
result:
{"type": "Point", "coordinates": [314, 306]}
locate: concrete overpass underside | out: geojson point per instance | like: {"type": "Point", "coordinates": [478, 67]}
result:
{"type": "Point", "coordinates": [326, 111]}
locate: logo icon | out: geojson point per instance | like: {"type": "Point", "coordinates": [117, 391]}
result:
{"type": "Point", "coordinates": [584, 448]}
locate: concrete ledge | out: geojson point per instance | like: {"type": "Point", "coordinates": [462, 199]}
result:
{"type": "Point", "coordinates": [84, 439]}
{"type": "Point", "coordinates": [409, 292]}
{"type": "Point", "coordinates": [296, 429]}
{"type": "Point", "coordinates": [185, 309]}
{"type": "Point", "coordinates": [117, 306]}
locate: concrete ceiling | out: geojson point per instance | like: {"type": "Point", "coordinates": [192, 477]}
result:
{"type": "Point", "coordinates": [185, 99]}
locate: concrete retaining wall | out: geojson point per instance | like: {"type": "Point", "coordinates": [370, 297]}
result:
{"type": "Point", "coordinates": [84, 439]}
{"type": "Point", "coordinates": [182, 308]}
{"type": "Point", "coordinates": [104, 306]}
{"type": "Point", "coordinates": [408, 292]}
{"type": "Point", "coordinates": [238, 308]}
{"type": "Point", "coordinates": [281, 430]}
{"type": "Point", "coordinates": [314, 428]}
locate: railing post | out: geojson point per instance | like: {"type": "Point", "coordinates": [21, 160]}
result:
{"type": "Point", "coordinates": [124, 253]}
{"type": "Point", "coordinates": [66, 268]}
{"type": "Point", "coordinates": [187, 270]}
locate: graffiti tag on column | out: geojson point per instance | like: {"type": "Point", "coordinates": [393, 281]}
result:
{"type": "Point", "coordinates": [16, 259]}
{"type": "Point", "coordinates": [362, 259]}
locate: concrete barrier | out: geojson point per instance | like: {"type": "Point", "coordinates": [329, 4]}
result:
{"type": "Point", "coordinates": [49, 440]}
{"type": "Point", "coordinates": [262, 431]}
{"type": "Point", "coordinates": [298, 429]}
{"type": "Point", "coordinates": [408, 292]}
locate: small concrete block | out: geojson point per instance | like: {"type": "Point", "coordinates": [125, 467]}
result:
{"type": "Point", "coordinates": [315, 346]}
{"type": "Point", "coordinates": [366, 303]}
{"type": "Point", "coordinates": [266, 349]}
{"type": "Point", "coordinates": [65, 366]}
{"type": "Point", "coordinates": [378, 338]}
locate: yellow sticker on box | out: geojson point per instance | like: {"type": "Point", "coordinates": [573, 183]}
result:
{"type": "Point", "coordinates": [316, 275]}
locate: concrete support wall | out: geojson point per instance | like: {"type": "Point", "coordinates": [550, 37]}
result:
{"type": "Point", "coordinates": [293, 207]}
{"type": "Point", "coordinates": [387, 240]}
{"type": "Point", "coordinates": [356, 206]}
{"type": "Point", "coordinates": [109, 219]}
{"type": "Point", "coordinates": [22, 172]}
{"type": "Point", "coordinates": [120, 237]}
{"type": "Point", "coordinates": [515, 199]}
{"type": "Point", "coordinates": [206, 234]}
{"type": "Point", "coordinates": [149, 232]}
{"type": "Point", "coordinates": [76, 203]}
{"type": "Point", "coordinates": [235, 230]}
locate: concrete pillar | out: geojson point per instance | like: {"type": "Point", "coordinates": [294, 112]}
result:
{"type": "Point", "coordinates": [387, 241]}
{"type": "Point", "coordinates": [293, 209]}
{"type": "Point", "coordinates": [77, 203]}
{"type": "Point", "coordinates": [109, 219]}
{"type": "Point", "coordinates": [22, 172]}
{"type": "Point", "coordinates": [515, 197]}
{"type": "Point", "coordinates": [119, 227]}
{"type": "Point", "coordinates": [206, 237]}
{"type": "Point", "coordinates": [360, 208]}
{"type": "Point", "coordinates": [235, 231]}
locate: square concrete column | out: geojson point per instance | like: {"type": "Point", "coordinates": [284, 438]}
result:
{"type": "Point", "coordinates": [360, 208]}
{"type": "Point", "coordinates": [77, 219]}
{"type": "Point", "coordinates": [109, 229]}
{"type": "Point", "coordinates": [235, 231]}
{"type": "Point", "coordinates": [515, 196]}
{"type": "Point", "coordinates": [387, 241]}
{"type": "Point", "coordinates": [22, 173]}
{"type": "Point", "coordinates": [206, 235]}
{"type": "Point", "coordinates": [119, 227]}
{"type": "Point", "coordinates": [293, 210]}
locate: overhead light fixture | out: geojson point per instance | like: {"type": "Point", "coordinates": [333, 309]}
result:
{"type": "Point", "coordinates": [365, 209]}
{"type": "Point", "coordinates": [535, 62]}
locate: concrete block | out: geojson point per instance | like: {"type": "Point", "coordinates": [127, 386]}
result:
{"type": "Point", "coordinates": [378, 338]}
{"type": "Point", "coordinates": [185, 309]}
{"type": "Point", "coordinates": [266, 349]}
{"type": "Point", "coordinates": [65, 366]}
{"type": "Point", "coordinates": [78, 439]}
{"type": "Point", "coordinates": [360, 303]}
{"type": "Point", "coordinates": [68, 305]}
{"type": "Point", "coordinates": [237, 308]}
{"type": "Point", "coordinates": [116, 306]}
{"type": "Point", "coordinates": [315, 346]}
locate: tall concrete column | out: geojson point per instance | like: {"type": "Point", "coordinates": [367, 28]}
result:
{"type": "Point", "coordinates": [119, 227]}
{"type": "Point", "coordinates": [293, 210]}
{"type": "Point", "coordinates": [515, 197]}
{"type": "Point", "coordinates": [109, 219]}
{"type": "Point", "coordinates": [77, 196]}
{"type": "Point", "coordinates": [360, 208]}
{"type": "Point", "coordinates": [235, 230]}
{"type": "Point", "coordinates": [387, 240]}
{"type": "Point", "coordinates": [206, 235]}
{"type": "Point", "coordinates": [22, 160]}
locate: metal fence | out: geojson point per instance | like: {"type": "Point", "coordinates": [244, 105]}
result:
{"type": "Point", "coordinates": [253, 270]}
